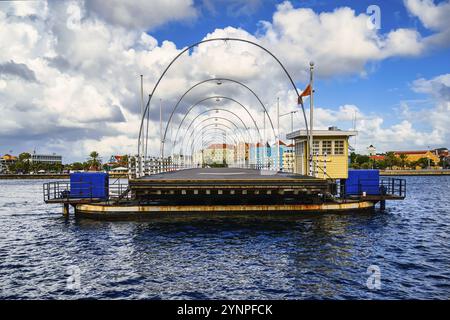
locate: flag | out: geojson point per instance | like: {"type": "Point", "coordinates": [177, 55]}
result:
{"type": "Point", "coordinates": [306, 92]}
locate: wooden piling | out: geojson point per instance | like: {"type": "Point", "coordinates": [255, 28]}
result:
{"type": "Point", "coordinates": [65, 210]}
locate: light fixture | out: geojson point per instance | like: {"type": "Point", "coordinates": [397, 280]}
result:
{"type": "Point", "coordinates": [217, 99]}
{"type": "Point", "coordinates": [219, 82]}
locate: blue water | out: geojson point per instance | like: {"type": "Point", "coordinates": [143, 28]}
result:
{"type": "Point", "coordinates": [44, 256]}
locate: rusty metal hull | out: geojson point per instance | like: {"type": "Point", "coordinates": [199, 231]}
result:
{"type": "Point", "coordinates": [105, 211]}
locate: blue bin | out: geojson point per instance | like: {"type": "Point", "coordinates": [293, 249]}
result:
{"type": "Point", "coordinates": [89, 185]}
{"type": "Point", "coordinates": [360, 181]}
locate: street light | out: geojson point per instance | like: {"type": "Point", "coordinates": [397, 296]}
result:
{"type": "Point", "coordinates": [292, 118]}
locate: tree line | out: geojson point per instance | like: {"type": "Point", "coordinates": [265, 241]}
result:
{"type": "Point", "coordinates": [358, 161]}
{"type": "Point", "coordinates": [93, 163]}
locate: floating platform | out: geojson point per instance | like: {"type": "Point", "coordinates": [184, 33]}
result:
{"type": "Point", "coordinates": [228, 186]}
{"type": "Point", "coordinates": [113, 212]}
{"type": "Point", "coordinates": [214, 191]}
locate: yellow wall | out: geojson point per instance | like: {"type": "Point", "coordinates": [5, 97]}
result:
{"type": "Point", "coordinates": [414, 157]}
{"type": "Point", "coordinates": [336, 165]}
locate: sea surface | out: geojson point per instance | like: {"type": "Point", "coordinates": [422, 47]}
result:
{"type": "Point", "coordinates": [403, 253]}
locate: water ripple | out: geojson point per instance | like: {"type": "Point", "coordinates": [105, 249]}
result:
{"type": "Point", "coordinates": [308, 257]}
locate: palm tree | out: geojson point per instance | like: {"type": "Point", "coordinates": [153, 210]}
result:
{"type": "Point", "coordinates": [94, 161]}
{"type": "Point", "coordinates": [403, 160]}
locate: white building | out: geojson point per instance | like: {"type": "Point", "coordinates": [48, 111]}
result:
{"type": "Point", "coordinates": [371, 150]}
{"type": "Point", "coordinates": [46, 158]}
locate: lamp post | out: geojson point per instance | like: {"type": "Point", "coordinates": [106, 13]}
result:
{"type": "Point", "coordinates": [311, 117]}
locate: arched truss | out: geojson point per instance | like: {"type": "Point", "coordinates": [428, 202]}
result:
{"type": "Point", "coordinates": [146, 109]}
{"type": "Point", "coordinates": [242, 133]}
{"type": "Point", "coordinates": [217, 97]}
{"type": "Point", "coordinates": [211, 137]}
{"type": "Point", "coordinates": [216, 80]}
{"type": "Point", "coordinates": [210, 110]}
{"type": "Point", "coordinates": [194, 135]}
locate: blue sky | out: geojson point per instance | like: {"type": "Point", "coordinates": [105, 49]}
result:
{"type": "Point", "coordinates": [387, 83]}
{"type": "Point", "coordinates": [69, 70]}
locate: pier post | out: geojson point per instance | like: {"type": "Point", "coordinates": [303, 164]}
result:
{"type": "Point", "coordinates": [65, 210]}
{"type": "Point", "coordinates": [383, 205]}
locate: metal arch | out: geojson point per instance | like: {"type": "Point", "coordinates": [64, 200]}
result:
{"type": "Point", "coordinates": [221, 128]}
{"type": "Point", "coordinates": [215, 97]}
{"type": "Point", "coordinates": [221, 124]}
{"type": "Point", "coordinates": [228, 120]}
{"type": "Point", "coordinates": [212, 134]}
{"type": "Point", "coordinates": [208, 134]}
{"type": "Point", "coordinates": [203, 144]}
{"type": "Point", "coordinates": [218, 109]}
{"type": "Point", "coordinates": [209, 110]}
{"type": "Point", "coordinates": [146, 110]}
{"type": "Point", "coordinates": [216, 79]}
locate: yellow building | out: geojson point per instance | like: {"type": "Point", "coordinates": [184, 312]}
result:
{"type": "Point", "coordinates": [330, 149]}
{"type": "Point", "coordinates": [289, 159]}
{"type": "Point", "coordinates": [412, 156]}
{"type": "Point", "coordinates": [219, 153]}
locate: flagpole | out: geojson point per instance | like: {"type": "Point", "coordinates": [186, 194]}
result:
{"type": "Point", "coordinates": [311, 116]}
{"type": "Point", "coordinates": [278, 135]}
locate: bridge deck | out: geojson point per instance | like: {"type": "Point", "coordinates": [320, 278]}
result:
{"type": "Point", "coordinates": [229, 174]}
{"type": "Point", "coordinates": [225, 184]}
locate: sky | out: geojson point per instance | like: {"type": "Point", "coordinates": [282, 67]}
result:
{"type": "Point", "coordinates": [70, 72]}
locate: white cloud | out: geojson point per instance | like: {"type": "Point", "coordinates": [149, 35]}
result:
{"type": "Point", "coordinates": [434, 17]}
{"type": "Point", "coordinates": [86, 60]}
{"type": "Point", "coordinates": [142, 14]}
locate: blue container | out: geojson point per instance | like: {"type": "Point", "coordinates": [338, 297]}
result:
{"type": "Point", "coordinates": [89, 185]}
{"type": "Point", "coordinates": [360, 181]}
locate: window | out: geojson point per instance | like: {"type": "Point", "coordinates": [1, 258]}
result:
{"type": "Point", "coordinates": [316, 147]}
{"type": "Point", "coordinates": [299, 148]}
{"type": "Point", "coordinates": [339, 147]}
{"type": "Point", "coordinates": [326, 147]}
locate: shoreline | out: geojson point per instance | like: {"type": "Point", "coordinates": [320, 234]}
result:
{"type": "Point", "coordinates": [441, 172]}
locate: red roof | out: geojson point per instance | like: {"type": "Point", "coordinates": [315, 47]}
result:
{"type": "Point", "coordinates": [220, 146]}
{"type": "Point", "coordinates": [376, 157]}
{"type": "Point", "coordinates": [411, 152]}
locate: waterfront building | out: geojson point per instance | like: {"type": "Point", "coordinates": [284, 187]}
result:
{"type": "Point", "coordinates": [288, 159]}
{"type": "Point", "coordinates": [5, 161]}
{"type": "Point", "coordinates": [371, 150]}
{"type": "Point", "coordinates": [242, 153]}
{"type": "Point", "coordinates": [219, 153]}
{"type": "Point", "coordinates": [330, 149]}
{"type": "Point", "coordinates": [260, 154]}
{"type": "Point", "coordinates": [46, 158]}
{"type": "Point", "coordinates": [444, 157]}
{"type": "Point", "coordinates": [377, 157]}
{"type": "Point", "coordinates": [418, 154]}
{"type": "Point", "coordinates": [285, 161]}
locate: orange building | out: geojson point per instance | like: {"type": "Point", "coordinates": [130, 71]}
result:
{"type": "Point", "coordinates": [5, 161]}
{"type": "Point", "coordinates": [416, 155]}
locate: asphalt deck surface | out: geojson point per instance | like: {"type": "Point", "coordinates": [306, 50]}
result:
{"type": "Point", "coordinates": [224, 173]}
